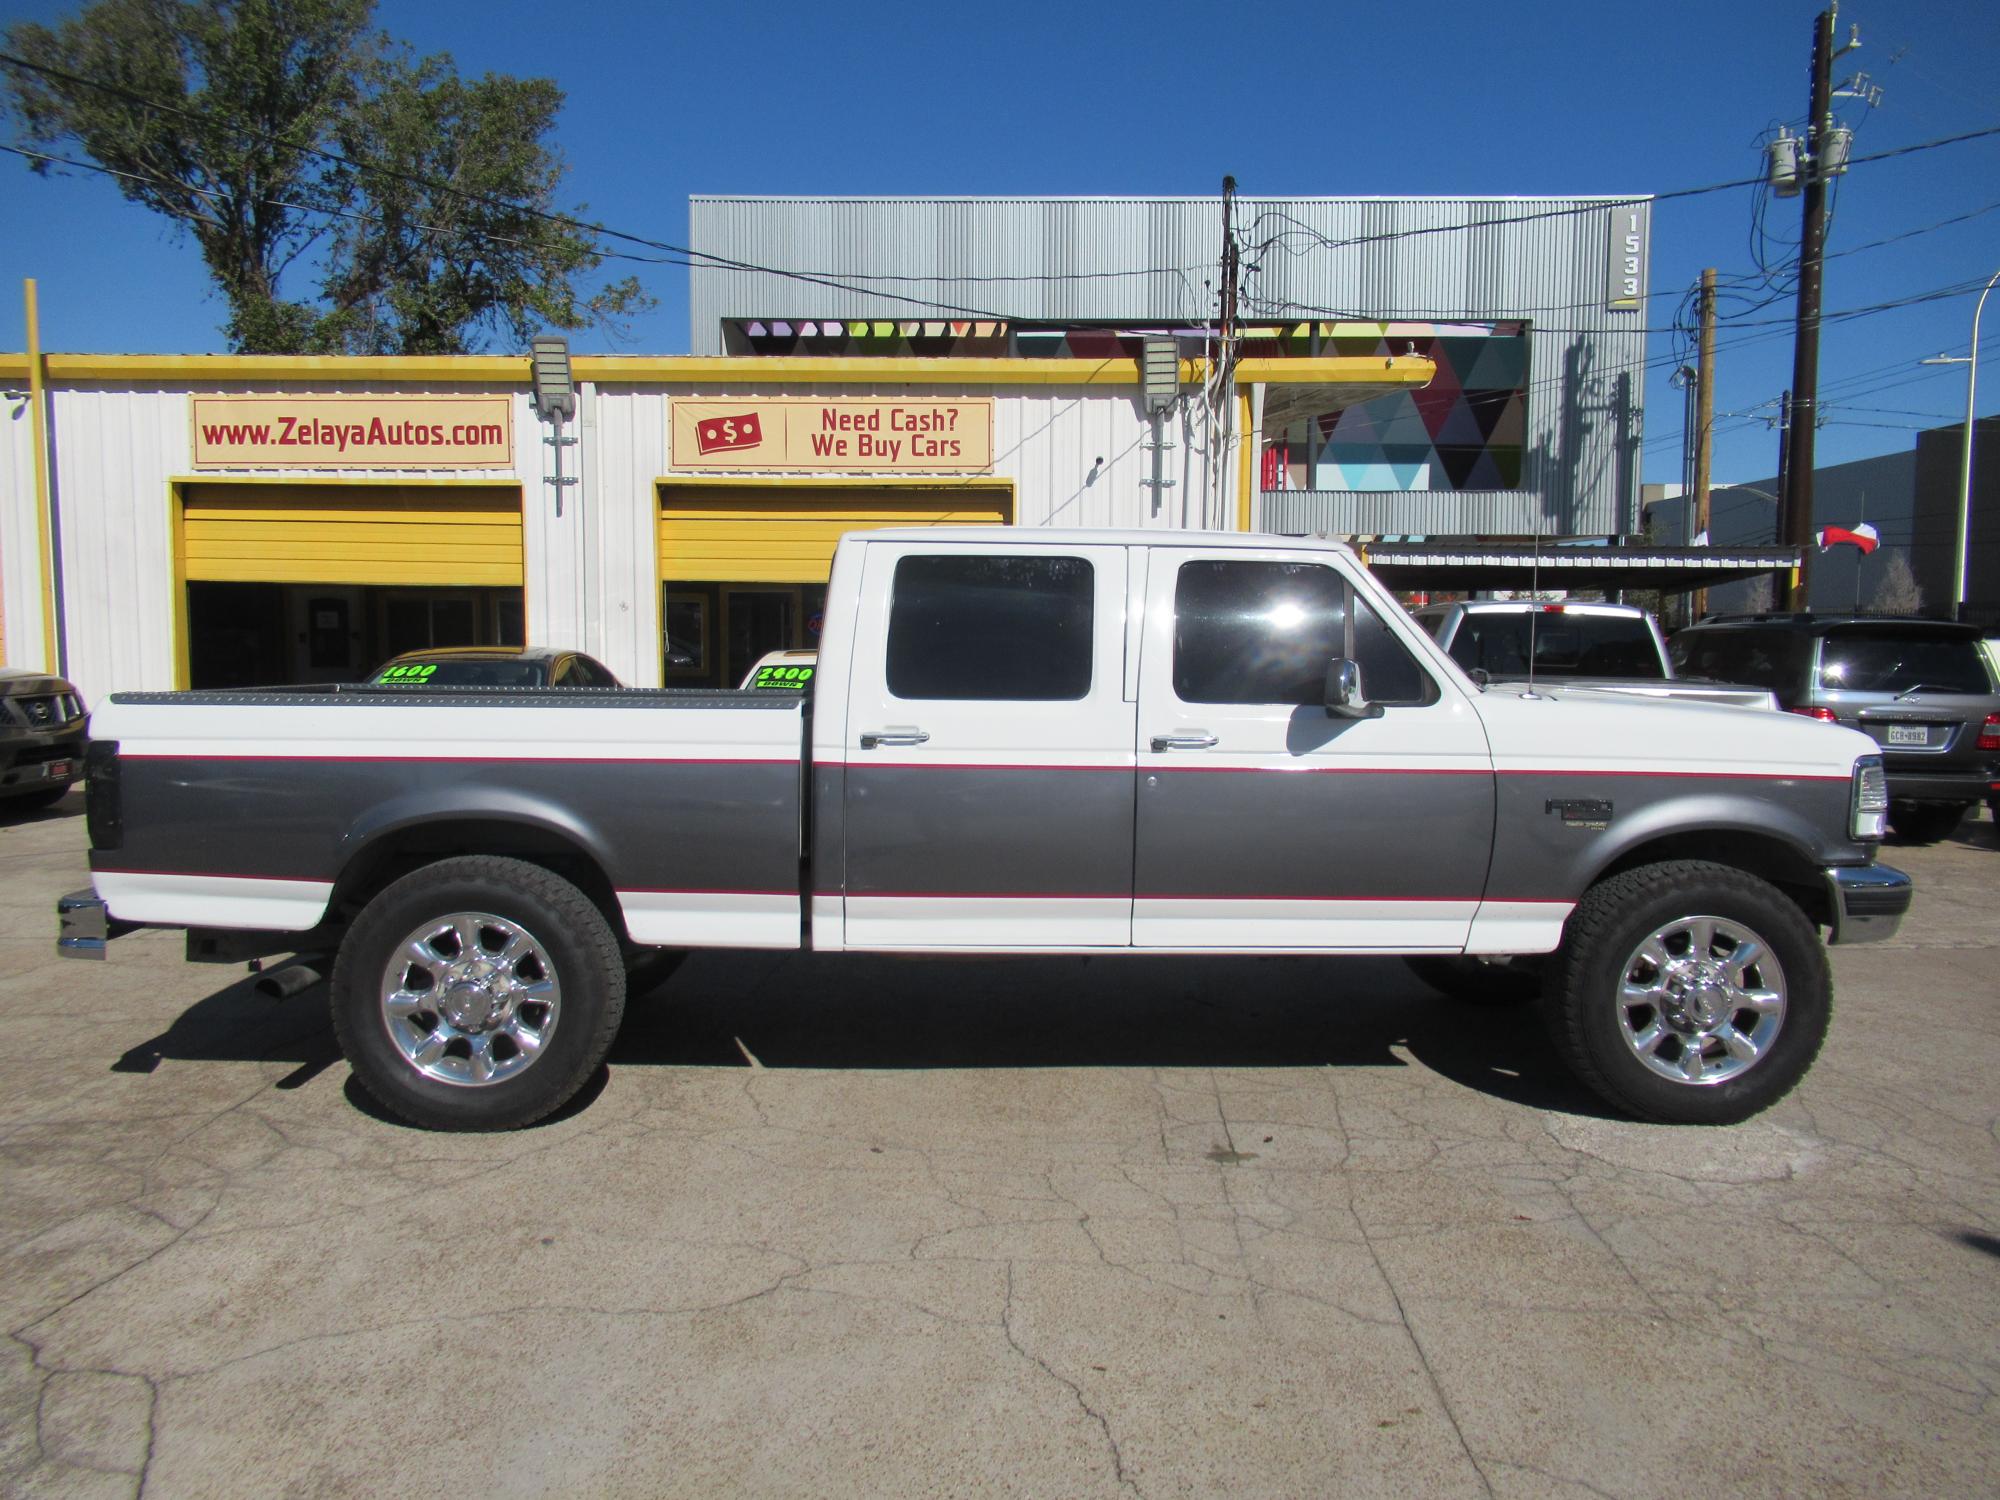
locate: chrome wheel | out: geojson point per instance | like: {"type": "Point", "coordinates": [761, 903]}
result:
{"type": "Point", "coordinates": [470, 998]}
{"type": "Point", "coordinates": [1701, 1000]}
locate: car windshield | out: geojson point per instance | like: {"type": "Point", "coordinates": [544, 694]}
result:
{"type": "Point", "coordinates": [1567, 644]}
{"type": "Point", "coordinates": [1894, 661]}
{"type": "Point", "coordinates": [497, 672]}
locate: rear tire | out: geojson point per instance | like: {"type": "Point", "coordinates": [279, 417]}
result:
{"type": "Point", "coordinates": [1926, 822]}
{"type": "Point", "coordinates": [1689, 993]}
{"type": "Point", "coordinates": [477, 993]}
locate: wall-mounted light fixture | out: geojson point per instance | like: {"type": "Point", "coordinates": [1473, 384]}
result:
{"type": "Point", "coordinates": [554, 396]}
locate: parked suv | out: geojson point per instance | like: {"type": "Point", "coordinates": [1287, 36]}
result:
{"type": "Point", "coordinates": [42, 738]}
{"type": "Point", "coordinates": [1921, 689]}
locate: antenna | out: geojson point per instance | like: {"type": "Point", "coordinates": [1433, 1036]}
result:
{"type": "Point", "coordinates": [1534, 612]}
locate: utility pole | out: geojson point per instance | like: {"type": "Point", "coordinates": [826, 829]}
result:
{"type": "Point", "coordinates": [1784, 473]}
{"type": "Point", "coordinates": [1825, 155]}
{"type": "Point", "coordinates": [1225, 415]}
{"type": "Point", "coordinates": [1704, 419]}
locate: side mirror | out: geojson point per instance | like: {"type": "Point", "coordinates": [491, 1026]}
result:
{"type": "Point", "coordinates": [1344, 698]}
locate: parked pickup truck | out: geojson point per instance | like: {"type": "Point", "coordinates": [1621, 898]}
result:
{"type": "Point", "coordinates": [1016, 741]}
{"type": "Point", "coordinates": [1615, 648]}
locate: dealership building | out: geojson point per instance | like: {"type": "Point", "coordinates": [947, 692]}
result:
{"type": "Point", "coordinates": [1443, 379]}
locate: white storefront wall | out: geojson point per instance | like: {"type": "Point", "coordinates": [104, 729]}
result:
{"type": "Point", "coordinates": [1075, 455]}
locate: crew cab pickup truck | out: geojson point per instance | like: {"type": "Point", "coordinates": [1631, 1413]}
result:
{"type": "Point", "coordinates": [1016, 741]}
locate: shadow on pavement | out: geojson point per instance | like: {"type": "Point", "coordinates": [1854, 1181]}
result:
{"type": "Point", "coordinates": [1984, 1243]}
{"type": "Point", "coordinates": [16, 812]}
{"type": "Point", "coordinates": [836, 1011]}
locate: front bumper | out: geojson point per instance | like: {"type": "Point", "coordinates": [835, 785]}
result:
{"type": "Point", "coordinates": [1868, 902]}
{"type": "Point", "coordinates": [33, 762]}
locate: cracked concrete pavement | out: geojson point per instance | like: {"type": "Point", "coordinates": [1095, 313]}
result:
{"type": "Point", "coordinates": [897, 1227]}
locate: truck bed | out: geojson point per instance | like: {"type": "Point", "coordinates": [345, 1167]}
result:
{"type": "Point", "coordinates": [241, 808]}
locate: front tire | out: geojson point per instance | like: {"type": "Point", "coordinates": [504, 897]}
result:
{"type": "Point", "coordinates": [477, 993]}
{"type": "Point", "coordinates": [1689, 993]}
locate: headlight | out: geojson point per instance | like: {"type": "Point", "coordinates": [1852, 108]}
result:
{"type": "Point", "coordinates": [1868, 804]}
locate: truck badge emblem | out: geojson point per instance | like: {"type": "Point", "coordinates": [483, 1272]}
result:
{"type": "Point", "coordinates": [1581, 812]}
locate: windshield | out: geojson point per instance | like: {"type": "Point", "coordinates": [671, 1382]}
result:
{"type": "Point", "coordinates": [499, 672]}
{"type": "Point", "coordinates": [1894, 661]}
{"type": "Point", "coordinates": [1566, 645]}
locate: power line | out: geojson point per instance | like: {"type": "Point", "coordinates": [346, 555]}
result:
{"type": "Point", "coordinates": [685, 256]}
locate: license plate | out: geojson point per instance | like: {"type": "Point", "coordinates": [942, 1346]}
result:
{"type": "Point", "coordinates": [1908, 734]}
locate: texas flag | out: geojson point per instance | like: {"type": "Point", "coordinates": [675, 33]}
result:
{"type": "Point", "coordinates": [1863, 536]}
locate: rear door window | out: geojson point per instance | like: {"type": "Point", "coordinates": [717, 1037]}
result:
{"type": "Point", "coordinates": [1014, 629]}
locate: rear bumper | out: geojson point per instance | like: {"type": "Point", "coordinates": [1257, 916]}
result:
{"type": "Point", "coordinates": [84, 924]}
{"type": "Point", "coordinates": [1868, 902]}
{"type": "Point", "coordinates": [1974, 784]}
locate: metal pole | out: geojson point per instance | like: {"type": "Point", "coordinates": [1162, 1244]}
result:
{"type": "Point", "coordinates": [1805, 356]}
{"type": "Point", "coordinates": [1704, 419]}
{"type": "Point", "coordinates": [1965, 460]}
{"type": "Point", "coordinates": [48, 541]}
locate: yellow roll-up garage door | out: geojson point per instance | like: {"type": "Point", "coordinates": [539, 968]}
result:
{"type": "Point", "coordinates": [423, 536]}
{"type": "Point", "coordinates": [786, 534]}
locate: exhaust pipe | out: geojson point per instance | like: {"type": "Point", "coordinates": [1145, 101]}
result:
{"type": "Point", "coordinates": [288, 980]}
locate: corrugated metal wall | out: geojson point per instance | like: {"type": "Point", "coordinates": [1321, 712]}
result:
{"type": "Point", "coordinates": [117, 454]}
{"type": "Point", "coordinates": [590, 573]}
{"type": "Point", "coordinates": [20, 569]}
{"type": "Point", "coordinates": [1132, 259]}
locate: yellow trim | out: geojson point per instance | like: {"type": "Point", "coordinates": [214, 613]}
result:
{"type": "Point", "coordinates": [503, 369]}
{"type": "Point", "coordinates": [332, 481]}
{"type": "Point", "coordinates": [745, 370]}
{"type": "Point", "coordinates": [841, 482]}
{"type": "Point", "coordinates": [1342, 369]}
{"type": "Point", "coordinates": [1246, 460]}
{"type": "Point", "coordinates": [45, 552]}
{"type": "Point", "coordinates": [177, 540]}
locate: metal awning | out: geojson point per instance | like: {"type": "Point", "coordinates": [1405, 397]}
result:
{"type": "Point", "coordinates": [1470, 566]}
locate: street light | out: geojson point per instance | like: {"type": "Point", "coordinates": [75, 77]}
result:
{"type": "Point", "coordinates": [1971, 361]}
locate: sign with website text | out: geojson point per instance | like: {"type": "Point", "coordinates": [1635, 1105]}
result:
{"type": "Point", "coordinates": [353, 432]}
{"type": "Point", "coordinates": [845, 435]}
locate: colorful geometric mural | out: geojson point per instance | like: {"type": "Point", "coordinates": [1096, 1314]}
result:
{"type": "Point", "coordinates": [1466, 430]}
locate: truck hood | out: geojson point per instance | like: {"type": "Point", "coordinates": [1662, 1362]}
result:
{"type": "Point", "coordinates": [1585, 729]}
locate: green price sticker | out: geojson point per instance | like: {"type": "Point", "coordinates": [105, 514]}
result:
{"type": "Point", "coordinates": [784, 679]}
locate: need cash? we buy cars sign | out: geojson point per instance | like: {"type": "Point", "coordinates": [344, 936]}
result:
{"type": "Point", "coordinates": [856, 435]}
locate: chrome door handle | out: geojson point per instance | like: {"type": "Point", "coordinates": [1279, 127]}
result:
{"type": "Point", "coordinates": [897, 735]}
{"type": "Point", "coordinates": [1184, 739]}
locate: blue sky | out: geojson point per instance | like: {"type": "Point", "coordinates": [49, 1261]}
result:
{"type": "Point", "coordinates": [1319, 98]}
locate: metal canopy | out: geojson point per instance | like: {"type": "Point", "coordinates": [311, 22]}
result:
{"type": "Point", "coordinates": [1473, 566]}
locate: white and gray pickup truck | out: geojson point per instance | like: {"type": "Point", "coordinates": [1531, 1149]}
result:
{"type": "Point", "coordinates": [1016, 741]}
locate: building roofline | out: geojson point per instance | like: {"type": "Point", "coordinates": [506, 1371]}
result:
{"type": "Point", "coordinates": [1410, 371]}
{"type": "Point", "coordinates": [1161, 198]}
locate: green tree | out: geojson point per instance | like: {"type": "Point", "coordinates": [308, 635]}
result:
{"type": "Point", "coordinates": [296, 144]}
